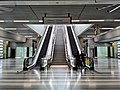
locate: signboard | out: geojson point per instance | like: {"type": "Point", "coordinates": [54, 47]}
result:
{"type": "Point", "coordinates": [49, 20]}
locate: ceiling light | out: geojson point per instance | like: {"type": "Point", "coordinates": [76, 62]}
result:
{"type": "Point", "coordinates": [105, 7]}
{"type": "Point", "coordinates": [1, 20]}
{"type": "Point", "coordinates": [96, 20]}
{"type": "Point", "coordinates": [21, 21]}
{"type": "Point", "coordinates": [10, 28]}
{"type": "Point", "coordinates": [16, 29]}
{"type": "Point", "coordinates": [28, 36]}
{"type": "Point", "coordinates": [91, 36]}
{"type": "Point", "coordinates": [117, 20]}
{"type": "Point", "coordinates": [109, 6]}
{"type": "Point", "coordinates": [41, 21]}
{"type": "Point", "coordinates": [25, 33]}
{"type": "Point", "coordinates": [106, 28]}
{"type": "Point", "coordinates": [75, 20]}
{"type": "Point", "coordinates": [114, 9]}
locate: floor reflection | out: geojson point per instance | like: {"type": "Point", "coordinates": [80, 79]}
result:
{"type": "Point", "coordinates": [106, 76]}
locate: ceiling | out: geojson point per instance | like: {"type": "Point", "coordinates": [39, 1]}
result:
{"type": "Point", "coordinates": [82, 10]}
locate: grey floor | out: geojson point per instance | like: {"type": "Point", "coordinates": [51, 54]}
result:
{"type": "Point", "coordinates": [105, 77]}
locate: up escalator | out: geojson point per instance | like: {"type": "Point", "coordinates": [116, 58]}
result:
{"type": "Point", "coordinates": [44, 48]}
{"type": "Point", "coordinates": [59, 49]}
{"type": "Point", "coordinates": [75, 52]}
{"type": "Point", "coordinates": [30, 62]}
{"type": "Point", "coordinates": [73, 45]}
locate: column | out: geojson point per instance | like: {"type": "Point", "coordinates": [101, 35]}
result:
{"type": "Point", "coordinates": [113, 52]}
{"type": "Point", "coordinates": [97, 29]}
{"type": "Point", "coordinates": [33, 47]}
{"type": "Point", "coordinates": [12, 49]}
{"type": "Point", "coordinates": [95, 51]}
{"type": "Point", "coordinates": [109, 52]}
{"type": "Point", "coordinates": [27, 52]}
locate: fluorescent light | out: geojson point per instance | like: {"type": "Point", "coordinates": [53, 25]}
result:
{"type": "Point", "coordinates": [96, 20]}
{"type": "Point", "coordinates": [117, 20]}
{"type": "Point", "coordinates": [10, 28]}
{"type": "Point", "coordinates": [106, 28]}
{"type": "Point", "coordinates": [28, 36]}
{"type": "Point", "coordinates": [90, 36]}
{"type": "Point", "coordinates": [75, 20]}
{"type": "Point", "coordinates": [40, 20]}
{"type": "Point", "coordinates": [16, 29]}
{"type": "Point", "coordinates": [25, 33]}
{"type": "Point", "coordinates": [1, 20]}
{"type": "Point", "coordinates": [21, 21]}
{"type": "Point", "coordinates": [114, 9]}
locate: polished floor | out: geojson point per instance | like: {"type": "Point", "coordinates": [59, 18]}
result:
{"type": "Point", "coordinates": [105, 77]}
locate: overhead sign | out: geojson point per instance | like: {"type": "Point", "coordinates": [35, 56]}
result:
{"type": "Point", "coordinates": [49, 20]}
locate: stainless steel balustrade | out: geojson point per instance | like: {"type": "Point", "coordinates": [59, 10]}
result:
{"type": "Point", "coordinates": [47, 60]}
{"type": "Point", "coordinates": [30, 62]}
{"type": "Point", "coordinates": [69, 57]}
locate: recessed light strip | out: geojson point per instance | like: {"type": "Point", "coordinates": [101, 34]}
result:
{"type": "Point", "coordinates": [21, 21]}
{"type": "Point", "coordinates": [28, 36]}
{"type": "Point", "coordinates": [25, 21]}
{"type": "Point", "coordinates": [106, 20]}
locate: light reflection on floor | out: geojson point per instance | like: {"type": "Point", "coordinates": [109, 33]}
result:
{"type": "Point", "coordinates": [106, 76]}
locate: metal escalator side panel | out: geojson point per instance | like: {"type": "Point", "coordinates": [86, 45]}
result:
{"type": "Point", "coordinates": [44, 47]}
{"type": "Point", "coordinates": [67, 43]}
{"type": "Point", "coordinates": [39, 48]}
{"type": "Point", "coordinates": [72, 41]}
{"type": "Point", "coordinates": [79, 47]}
{"type": "Point", "coordinates": [51, 43]}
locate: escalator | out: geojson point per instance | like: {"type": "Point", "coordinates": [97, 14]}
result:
{"type": "Point", "coordinates": [44, 48]}
{"type": "Point", "coordinates": [59, 49]}
{"type": "Point", "coordinates": [73, 45]}
{"type": "Point", "coordinates": [35, 61]}
{"type": "Point", "coordinates": [72, 42]}
{"type": "Point", "coordinates": [75, 52]}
